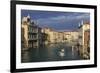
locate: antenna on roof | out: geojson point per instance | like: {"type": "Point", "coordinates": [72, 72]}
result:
{"type": "Point", "coordinates": [79, 25]}
{"type": "Point", "coordinates": [82, 22]}
{"type": "Point", "coordinates": [28, 16]}
{"type": "Point", "coordinates": [36, 22]}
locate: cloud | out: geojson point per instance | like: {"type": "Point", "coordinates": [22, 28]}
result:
{"type": "Point", "coordinates": [84, 16]}
{"type": "Point", "coordinates": [58, 18]}
{"type": "Point", "coordinates": [64, 21]}
{"type": "Point", "coordinates": [66, 18]}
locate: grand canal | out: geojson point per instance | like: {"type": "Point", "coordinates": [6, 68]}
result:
{"type": "Point", "coordinates": [51, 52]}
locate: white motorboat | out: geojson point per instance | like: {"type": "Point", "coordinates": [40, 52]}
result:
{"type": "Point", "coordinates": [61, 53]}
{"type": "Point", "coordinates": [62, 50]}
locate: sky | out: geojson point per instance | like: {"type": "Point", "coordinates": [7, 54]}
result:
{"type": "Point", "coordinates": [60, 21]}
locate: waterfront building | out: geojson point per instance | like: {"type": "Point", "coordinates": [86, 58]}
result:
{"type": "Point", "coordinates": [83, 37]}
{"type": "Point", "coordinates": [24, 33]}
{"type": "Point", "coordinates": [53, 36]}
{"type": "Point", "coordinates": [46, 33]}
{"type": "Point", "coordinates": [71, 36]}
{"type": "Point", "coordinates": [30, 33]}
{"type": "Point", "coordinates": [87, 42]}
{"type": "Point", "coordinates": [67, 36]}
{"type": "Point", "coordinates": [61, 37]}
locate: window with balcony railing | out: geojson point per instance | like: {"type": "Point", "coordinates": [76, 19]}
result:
{"type": "Point", "coordinates": [80, 37]}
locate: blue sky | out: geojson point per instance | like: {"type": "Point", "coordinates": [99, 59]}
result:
{"type": "Point", "coordinates": [57, 20]}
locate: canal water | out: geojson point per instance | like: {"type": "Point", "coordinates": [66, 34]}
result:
{"type": "Point", "coordinates": [50, 52]}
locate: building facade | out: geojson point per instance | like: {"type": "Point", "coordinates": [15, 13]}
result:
{"type": "Point", "coordinates": [54, 36]}
{"type": "Point", "coordinates": [84, 36]}
{"type": "Point", "coordinates": [71, 37]}
{"type": "Point", "coordinates": [30, 34]}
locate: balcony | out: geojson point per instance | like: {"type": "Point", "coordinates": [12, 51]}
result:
{"type": "Point", "coordinates": [33, 37]}
{"type": "Point", "coordinates": [33, 31]}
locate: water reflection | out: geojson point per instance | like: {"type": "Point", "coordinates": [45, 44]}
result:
{"type": "Point", "coordinates": [25, 56]}
{"type": "Point", "coordinates": [51, 52]}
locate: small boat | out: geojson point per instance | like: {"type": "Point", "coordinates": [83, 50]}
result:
{"type": "Point", "coordinates": [62, 50]}
{"type": "Point", "coordinates": [62, 53]}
